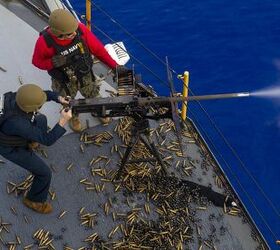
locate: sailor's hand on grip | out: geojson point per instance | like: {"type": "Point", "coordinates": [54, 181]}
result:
{"type": "Point", "coordinates": [65, 116]}
{"type": "Point", "coordinates": [64, 100]}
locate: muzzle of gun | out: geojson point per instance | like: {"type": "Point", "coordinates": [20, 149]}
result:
{"type": "Point", "coordinates": [145, 101]}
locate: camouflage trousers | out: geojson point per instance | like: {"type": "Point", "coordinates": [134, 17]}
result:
{"type": "Point", "coordinates": [88, 87]}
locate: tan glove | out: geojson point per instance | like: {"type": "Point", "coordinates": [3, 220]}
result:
{"type": "Point", "coordinates": [33, 145]}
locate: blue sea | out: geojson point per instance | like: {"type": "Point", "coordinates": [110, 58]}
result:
{"type": "Point", "coordinates": [227, 46]}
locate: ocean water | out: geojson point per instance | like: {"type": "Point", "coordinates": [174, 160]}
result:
{"type": "Point", "coordinates": [227, 46]}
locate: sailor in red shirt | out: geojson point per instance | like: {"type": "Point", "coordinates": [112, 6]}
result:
{"type": "Point", "coordinates": [65, 50]}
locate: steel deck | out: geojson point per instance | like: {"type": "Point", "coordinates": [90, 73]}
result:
{"type": "Point", "coordinates": [77, 182]}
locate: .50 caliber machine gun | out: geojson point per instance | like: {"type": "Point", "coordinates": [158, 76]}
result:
{"type": "Point", "coordinates": [141, 104]}
{"type": "Point", "coordinates": [135, 105]}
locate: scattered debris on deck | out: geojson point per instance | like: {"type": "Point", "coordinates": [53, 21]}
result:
{"type": "Point", "coordinates": [143, 210]}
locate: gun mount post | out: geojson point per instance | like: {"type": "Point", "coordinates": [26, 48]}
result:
{"type": "Point", "coordinates": [140, 132]}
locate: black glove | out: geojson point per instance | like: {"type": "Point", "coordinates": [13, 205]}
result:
{"type": "Point", "coordinates": [58, 61]}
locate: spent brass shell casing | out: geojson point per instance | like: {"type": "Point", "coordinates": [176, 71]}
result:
{"type": "Point", "coordinates": [167, 130]}
{"type": "Point", "coordinates": [147, 208]}
{"type": "Point", "coordinates": [167, 204]}
{"type": "Point", "coordinates": [207, 244]}
{"type": "Point", "coordinates": [202, 208]}
{"type": "Point", "coordinates": [117, 187]}
{"type": "Point", "coordinates": [234, 209]}
{"type": "Point", "coordinates": [18, 240]}
{"type": "Point", "coordinates": [41, 234]}
{"type": "Point", "coordinates": [14, 210]}
{"type": "Point", "coordinates": [225, 208]}
{"type": "Point", "coordinates": [44, 153]}
{"type": "Point", "coordinates": [11, 183]}
{"type": "Point", "coordinates": [170, 194]}
{"type": "Point", "coordinates": [82, 248]}
{"type": "Point", "coordinates": [198, 230]}
{"type": "Point", "coordinates": [69, 166]}
{"type": "Point", "coordinates": [48, 242]}
{"type": "Point", "coordinates": [35, 235]}
{"type": "Point", "coordinates": [232, 213]}
{"type": "Point", "coordinates": [179, 154]}
{"type": "Point", "coordinates": [107, 162]}
{"type": "Point", "coordinates": [102, 187]}
{"type": "Point", "coordinates": [174, 211]}
{"type": "Point", "coordinates": [28, 247]}
{"type": "Point", "coordinates": [191, 141]}
{"type": "Point", "coordinates": [26, 219]}
{"type": "Point", "coordinates": [97, 188]}
{"type": "Point", "coordinates": [83, 180]}
{"type": "Point", "coordinates": [53, 195]}
{"type": "Point", "coordinates": [62, 214]}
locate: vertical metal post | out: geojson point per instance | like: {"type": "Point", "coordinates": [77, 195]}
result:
{"type": "Point", "coordinates": [88, 14]}
{"type": "Point", "coordinates": [185, 78]}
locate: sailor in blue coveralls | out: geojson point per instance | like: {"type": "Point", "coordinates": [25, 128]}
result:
{"type": "Point", "coordinates": [20, 127]}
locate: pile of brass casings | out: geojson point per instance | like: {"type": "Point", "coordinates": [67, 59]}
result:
{"type": "Point", "coordinates": [44, 239]}
{"type": "Point", "coordinates": [20, 188]}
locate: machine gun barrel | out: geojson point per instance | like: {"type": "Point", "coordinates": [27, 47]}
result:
{"type": "Point", "coordinates": [130, 105]}
{"type": "Point", "coordinates": [147, 100]}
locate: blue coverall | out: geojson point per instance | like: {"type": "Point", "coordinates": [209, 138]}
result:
{"type": "Point", "coordinates": [36, 132]}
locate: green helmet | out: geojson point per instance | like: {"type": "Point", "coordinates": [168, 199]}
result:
{"type": "Point", "coordinates": [62, 22]}
{"type": "Point", "coordinates": [30, 97]}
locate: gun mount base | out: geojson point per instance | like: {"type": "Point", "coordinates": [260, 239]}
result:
{"type": "Point", "coordinates": [140, 132]}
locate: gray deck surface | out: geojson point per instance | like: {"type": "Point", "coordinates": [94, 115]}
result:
{"type": "Point", "coordinates": [216, 229]}
{"type": "Point", "coordinates": [24, 13]}
{"type": "Point", "coordinates": [71, 195]}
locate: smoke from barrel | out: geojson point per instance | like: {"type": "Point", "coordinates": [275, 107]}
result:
{"type": "Point", "coordinates": [270, 92]}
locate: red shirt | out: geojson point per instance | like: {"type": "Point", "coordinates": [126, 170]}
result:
{"type": "Point", "coordinates": [43, 54]}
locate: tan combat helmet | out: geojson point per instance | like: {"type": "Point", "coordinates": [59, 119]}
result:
{"type": "Point", "coordinates": [30, 98]}
{"type": "Point", "coordinates": [62, 22]}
